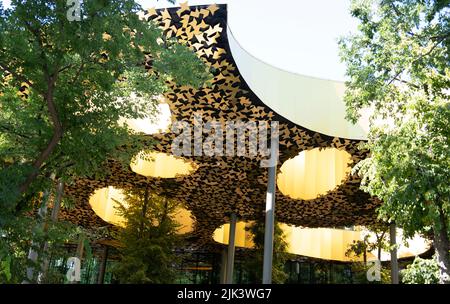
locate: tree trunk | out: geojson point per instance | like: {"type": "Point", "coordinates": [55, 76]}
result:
{"type": "Point", "coordinates": [54, 218]}
{"type": "Point", "coordinates": [80, 252]}
{"type": "Point", "coordinates": [39, 161]}
{"type": "Point", "coordinates": [102, 270]}
{"type": "Point", "coordinates": [165, 211]}
{"type": "Point", "coordinates": [57, 135]}
{"type": "Point", "coordinates": [442, 246]}
{"type": "Point", "coordinates": [394, 259]}
{"type": "Point", "coordinates": [223, 266]}
{"type": "Point", "coordinates": [32, 253]}
{"type": "Point", "coordinates": [144, 211]}
{"type": "Point", "coordinates": [380, 244]}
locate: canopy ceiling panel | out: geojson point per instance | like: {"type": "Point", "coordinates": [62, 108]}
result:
{"type": "Point", "coordinates": [314, 103]}
{"type": "Point", "coordinates": [221, 185]}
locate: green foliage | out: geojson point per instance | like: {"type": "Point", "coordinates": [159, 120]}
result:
{"type": "Point", "coordinates": [421, 271]}
{"type": "Point", "coordinates": [359, 248]}
{"type": "Point", "coordinates": [64, 86]}
{"type": "Point", "coordinates": [376, 241]}
{"type": "Point", "coordinates": [379, 242]}
{"type": "Point", "coordinates": [21, 233]}
{"type": "Point", "coordinates": [360, 271]}
{"type": "Point", "coordinates": [409, 167]}
{"type": "Point", "coordinates": [254, 264]}
{"type": "Point", "coordinates": [399, 53]}
{"type": "Point", "coordinates": [398, 68]}
{"type": "Point", "coordinates": [88, 71]}
{"type": "Point", "coordinates": [148, 239]}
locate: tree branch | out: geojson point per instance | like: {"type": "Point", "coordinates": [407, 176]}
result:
{"type": "Point", "coordinates": [442, 38]}
{"type": "Point", "coordinates": [53, 113]}
{"type": "Point", "coordinates": [17, 76]}
{"type": "Point", "coordinates": [397, 12]}
{"type": "Point", "coordinates": [65, 68]}
{"type": "Point", "coordinates": [407, 82]}
{"type": "Point", "coordinates": [78, 72]}
{"type": "Point", "coordinates": [37, 34]}
{"type": "Point", "coordinates": [396, 76]}
{"type": "Point", "coordinates": [57, 135]}
{"type": "Point", "coordinates": [8, 129]}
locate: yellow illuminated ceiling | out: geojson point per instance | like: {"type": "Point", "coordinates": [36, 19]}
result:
{"type": "Point", "coordinates": [184, 218]}
{"type": "Point", "coordinates": [323, 243]}
{"type": "Point", "coordinates": [158, 164]}
{"type": "Point", "coordinates": [105, 202]}
{"type": "Point", "coordinates": [243, 237]}
{"type": "Point", "coordinates": [312, 173]}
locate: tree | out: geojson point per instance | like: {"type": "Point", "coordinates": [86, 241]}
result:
{"type": "Point", "coordinates": [65, 85]}
{"type": "Point", "coordinates": [368, 244]}
{"type": "Point", "coordinates": [397, 66]}
{"type": "Point", "coordinates": [360, 273]}
{"type": "Point", "coordinates": [15, 240]}
{"type": "Point", "coordinates": [421, 271]}
{"type": "Point", "coordinates": [361, 247]}
{"type": "Point", "coordinates": [148, 239]}
{"type": "Point", "coordinates": [254, 264]}
{"type": "Point", "coordinates": [358, 248]}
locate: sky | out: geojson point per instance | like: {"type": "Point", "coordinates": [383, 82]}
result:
{"type": "Point", "coordinates": [299, 36]}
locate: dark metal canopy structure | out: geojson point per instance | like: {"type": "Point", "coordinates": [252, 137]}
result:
{"type": "Point", "coordinates": [222, 185]}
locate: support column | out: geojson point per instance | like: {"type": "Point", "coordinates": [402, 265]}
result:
{"type": "Point", "coordinates": [101, 273]}
{"type": "Point", "coordinates": [54, 218]}
{"type": "Point", "coordinates": [32, 253]}
{"type": "Point", "coordinates": [394, 261]}
{"type": "Point", "coordinates": [270, 218]}
{"type": "Point", "coordinates": [223, 266]}
{"type": "Point", "coordinates": [80, 252]}
{"type": "Point", "coordinates": [231, 249]}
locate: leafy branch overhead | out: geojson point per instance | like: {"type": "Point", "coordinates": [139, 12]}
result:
{"type": "Point", "coordinates": [65, 85]}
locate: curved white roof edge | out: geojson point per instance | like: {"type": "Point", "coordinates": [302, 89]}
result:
{"type": "Point", "coordinates": [314, 103]}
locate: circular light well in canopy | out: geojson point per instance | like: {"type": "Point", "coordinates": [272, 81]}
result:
{"type": "Point", "coordinates": [158, 164]}
{"type": "Point", "coordinates": [323, 243]}
{"type": "Point", "coordinates": [106, 201]}
{"type": "Point", "coordinates": [314, 172]}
